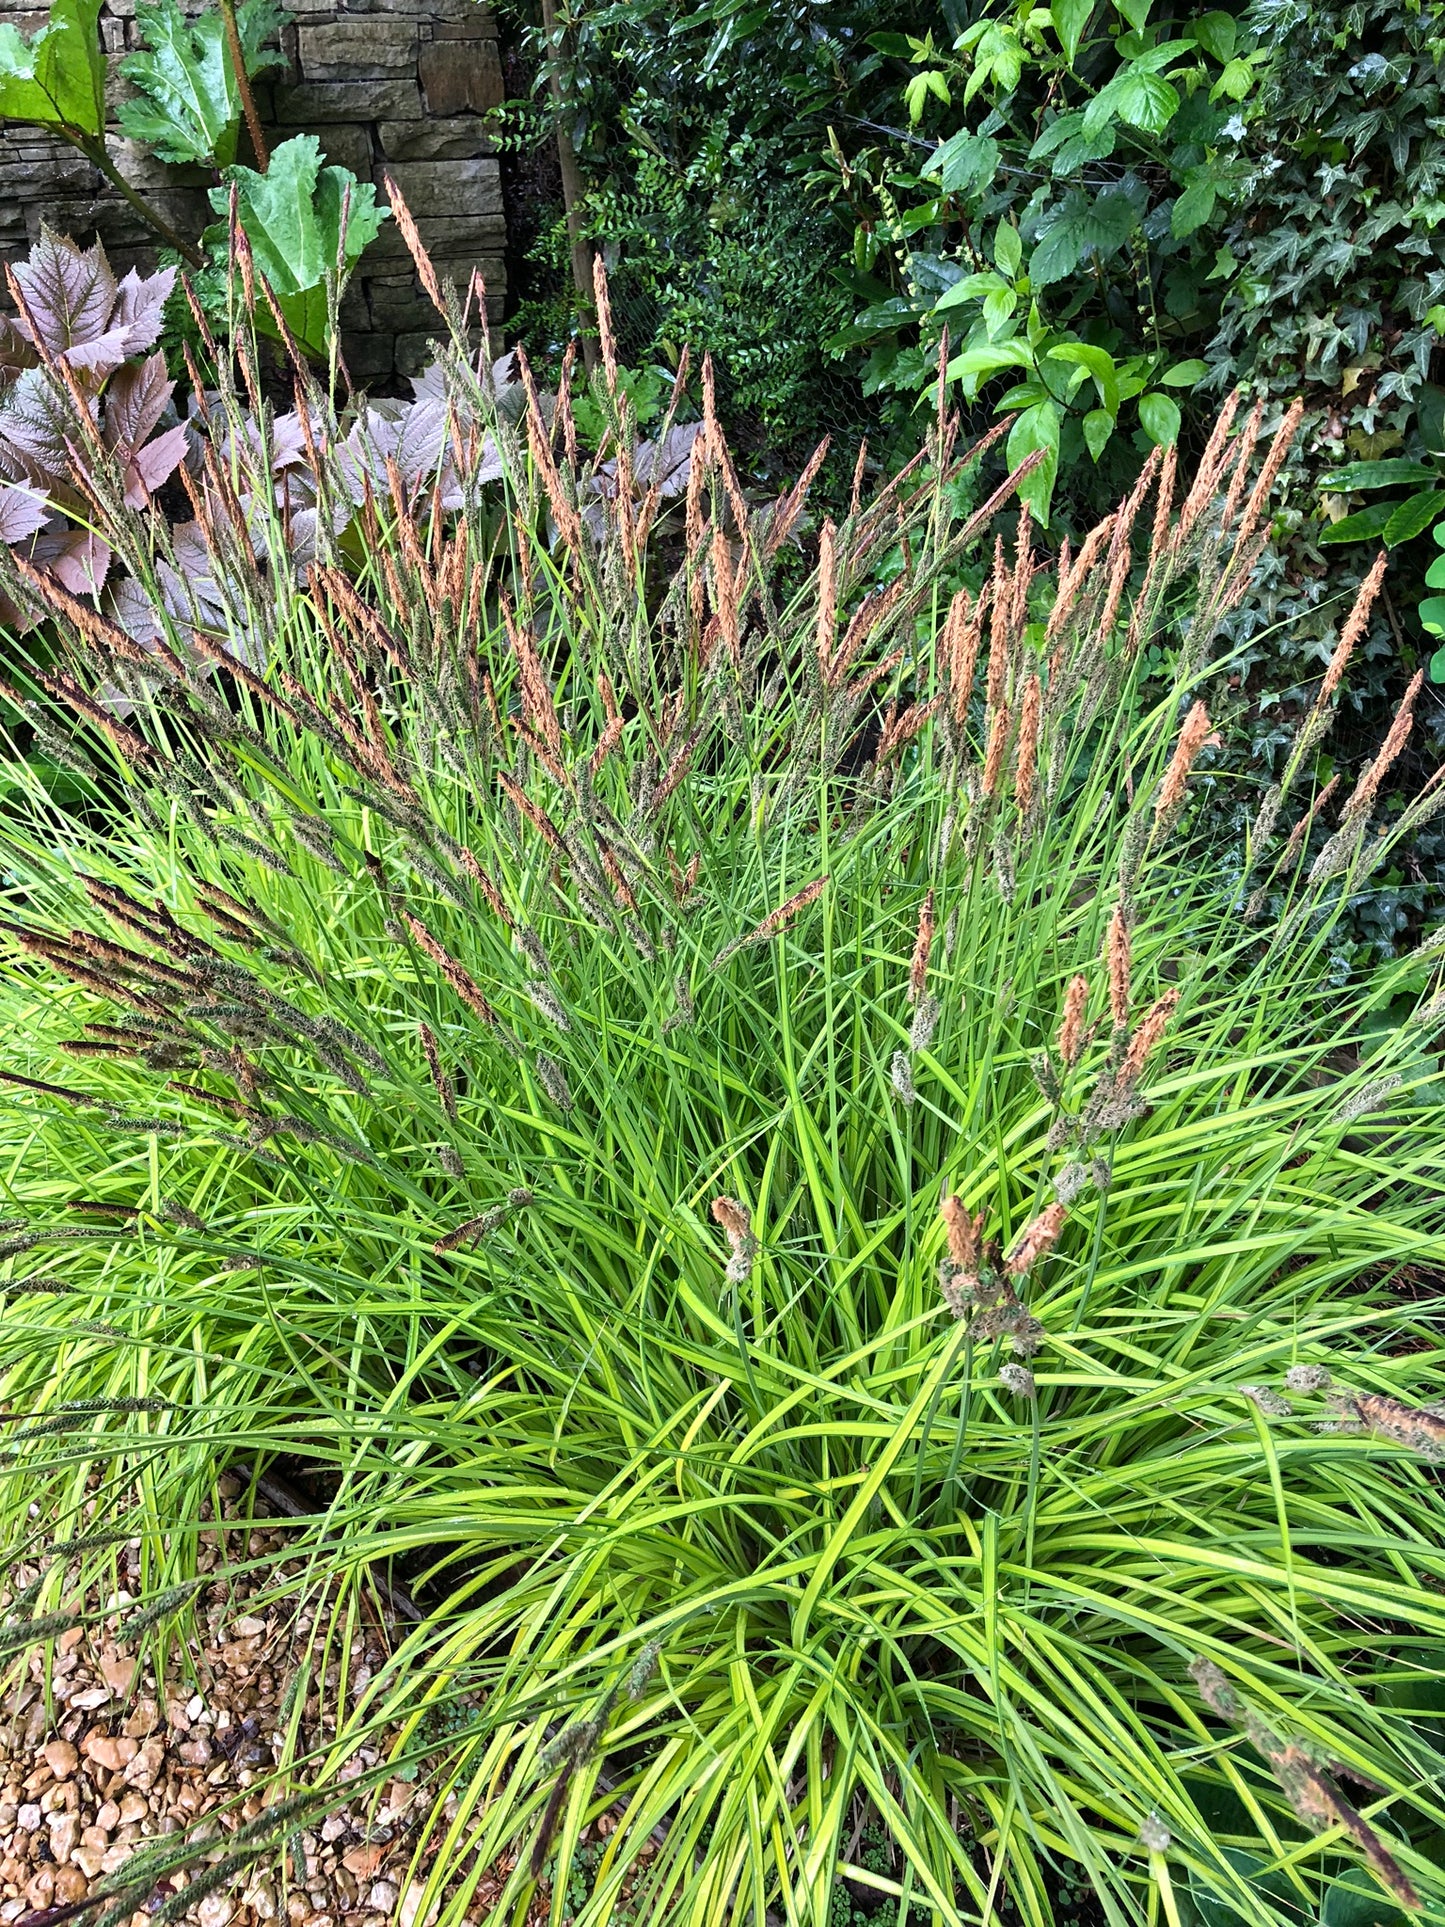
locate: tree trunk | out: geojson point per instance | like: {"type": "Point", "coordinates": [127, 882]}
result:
{"type": "Point", "coordinates": [572, 193]}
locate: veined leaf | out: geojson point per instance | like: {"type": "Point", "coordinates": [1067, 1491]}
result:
{"type": "Point", "coordinates": [1193, 208]}
{"type": "Point", "coordinates": [1413, 516]}
{"type": "Point", "coordinates": [1395, 472]}
{"type": "Point", "coordinates": [56, 78]}
{"type": "Point", "coordinates": [964, 161]}
{"type": "Point", "coordinates": [292, 218]}
{"type": "Point", "coordinates": [1098, 426]}
{"type": "Point", "coordinates": [1097, 228]}
{"type": "Point", "coordinates": [1037, 427]}
{"type": "Point", "coordinates": [1070, 17]}
{"type": "Point", "coordinates": [189, 105]}
{"type": "Point", "coordinates": [1365, 525]}
{"type": "Point", "coordinates": [1159, 418]}
{"type": "Point", "coordinates": [1099, 363]}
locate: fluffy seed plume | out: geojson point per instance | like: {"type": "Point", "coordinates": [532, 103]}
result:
{"type": "Point", "coordinates": [1355, 625]}
{"type": "Point", "coordinates": [1035, 1240]}
{"type": "Point", "coordinates": [922, 946]}
{"type": "Point", "coordinates": [1193, 736]}
{"type": "Point", "coordinates": [738, 1229]}
{"type": "Point", "coordinates": [965, 1232]}
{"type": "Point", "coordinates": [1070, 1040]}
{"type": "Point", "coordinates": [455, 975]}
{"type": "Point", "coordinates": [1027, 755]}
{"type": "Point", "coordinates": [1146, 1038]}
{"type": "Point", "coordinates": [1017, 1379]}
{"type": "Point", "coordinates": [777, 919]}
{"type": "Point", "coordinates": [1410, 1425]}
{"type": "Point", "coordinates": [995, 755]}
{"type": "Point", "coordinates": [1117, 958]}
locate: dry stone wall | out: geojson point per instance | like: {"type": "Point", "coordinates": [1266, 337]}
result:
{"type": "Point", "coordinates": [393, 87]}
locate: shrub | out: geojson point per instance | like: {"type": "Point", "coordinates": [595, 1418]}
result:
{"type": "Point", "coordinates": [723, 1136]}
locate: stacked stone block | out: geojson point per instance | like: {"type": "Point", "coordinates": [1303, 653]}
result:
{"type": "Point", "coordinates": [393, 87]}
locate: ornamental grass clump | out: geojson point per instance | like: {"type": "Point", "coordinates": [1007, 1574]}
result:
{"type": "Point", "coordinates": [712, 1122]}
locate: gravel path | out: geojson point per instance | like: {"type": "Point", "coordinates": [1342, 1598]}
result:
{"type": "Point", "coordinates": [118, 1757]}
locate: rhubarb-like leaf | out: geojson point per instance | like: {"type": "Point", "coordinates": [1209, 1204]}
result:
{"type": "Point", "coordinates": [292, 216]}
{"type": "Point", "coordinates": [56, 77]}
{"type": "Point", "coordinates": [188, 106]}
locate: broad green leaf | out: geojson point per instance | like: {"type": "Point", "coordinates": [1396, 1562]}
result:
{"type": "Point", "coordinates": [1146, 101]}
{"type": "Point", "coordinates": [1136, 12]}
{"type": "Point", "coordinates": [981, 362]}
{"type": "Point", "coordinates": [1430, 414]}
{"type": "Point", "coordinates": [1216, 34]}
{"type": "Point", "coordinates": [1008, 249]}
{"type": "Point", "coordinates": [1037, 427]}
{"type": "Point", "coordinates": [56, 78]}
{"type": "Point", "coordinates": [964, 162]}
{"type": "Point", "coordinates": [1354, 1900]}
{"type": "Point", "coordinates": [1395, 472]}
{"type": "Point", "coordinates": [1193, 208]}
{"type": "Point", "coordinates": [1099, 228]}
{"type": "Point", "coordinates": [1098, 426]}
{"type": "Point", "coordinates": [1435, 574]}
{"type": "Point", "coordinates": [1070, 17]}
{"type": "Point", "coordinates": [1365, 526]}
{"type": "Point", "coordinates": [998, 308]}
{"type": "Point", "coordinates": [1234, 83]}
{"type": "Point", "coordinates": [1159, 418]}
{"type": "Point", "coordinates": [188, 105]}
{"type": "Point", "coordinates": [1413, 516]}
{"type": "Point", "coordinates": [1099, 363]}
{"type": "Point", "coordinates": [1184, 374]}
{"type": "Point", "coordinates": [292, 218]}
{"type": "Point", "coordinates": [973, 287]}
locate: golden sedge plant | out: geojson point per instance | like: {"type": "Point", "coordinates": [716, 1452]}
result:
{"type": "Point", "coordinates": [708, 1110]}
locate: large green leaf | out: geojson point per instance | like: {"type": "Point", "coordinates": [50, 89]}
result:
{"type": "Point", "coordinates": [964, 162]}
{"type": "Point", "coordinates": [188, 107]}
{"type": "Point", "coordinates": [1413, 516]}
{"type": "Point", "coordinates": [1099, 363]}
{"type": "Point", "coordinates": [1159, 418]}
{"type": "Point", "coordinates": [1364, 526]}
{"type": "Point", "coordinates": [1394, 473]}
{"type": "Point", "coordinates": [292, 218]}
{"type": "Point", "coordinates": [1096, 228]}
{"type": "Point", "coordinates": [1070, 17]}
{"type": "Point", "coordinates": [1037, 427]}
{"type": "Point", "coordinates": [57, 77]}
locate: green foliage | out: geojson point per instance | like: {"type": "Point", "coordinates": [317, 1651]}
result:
{"type": "Point", "coordinates": [521, 1006]}
{"type": "Point", "coordinates": [56, 77]}
{"type": "Point", "coordinates": [307, 226]}
{"type": "Point", "coordinates": [189, 109]}
{"type": "Point", "coordinates": [1085, 152]}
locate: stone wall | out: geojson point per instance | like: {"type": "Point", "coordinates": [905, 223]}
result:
{"type": "Point", "coordinates": [388, 86]}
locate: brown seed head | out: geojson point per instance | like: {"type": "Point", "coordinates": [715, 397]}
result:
{"type": "Point", "coordinates": [1035, 1240]}
{"type": "Point", "coordinates": [1026, 765]}
{"type": "Point", "coordinates": [1117, 957]}
{"type": "Point", "coordinates": [1192, 738]}
{"type": "Point", "coordinates": [1354, 628]}
{"type": "Point", "coordinates": [1146, 1038]}
{"type": "Point", "coordinates": [1070, 1039]}
{"type": "Point", "coordinates": [965, 1233]}
{"type": "Point", "coordinates": [922, 945]}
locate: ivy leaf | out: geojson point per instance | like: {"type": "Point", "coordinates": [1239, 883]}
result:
{"type": "Point", "coordinates": [1037, 427]}
{"type": "Point", "coordinates": [190, 106]}
{"type": "Point", "coordinates": [1070, 17]}
{"type": "Point", "coordinates": [1098, 426]}
{"type": "Point", "coordinates": [1159, 418]}
{"type": "Point", "coordinates": [1193, 208]}
{"type": "Point", "coordinates": [1413, 516]}
{"type": "Point", "coordinates": [57, 77]}
{"type": "Point", "coordinates": [292, 218]}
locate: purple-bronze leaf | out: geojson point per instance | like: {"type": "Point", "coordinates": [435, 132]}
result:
{"type": "Point", "coordinates": [68, 294]}
{"type": "Point", "coordinates": [135, 402]}
{"type": "Point", "coordinates": [150, 466]}
{"type": "Point", "coordinates": [140, 307]}
{"type": "Point", "coordinates": [100, 357]}
{"type": "Point", "coordinates": [77, 559]}
{"type": "Point", "coordinates": [23, 511]}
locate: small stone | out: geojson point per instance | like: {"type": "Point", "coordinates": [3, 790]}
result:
{"type": "Point", "coordinates": [28, 1817]}
{"type": "Point", "coordinates": [70, 1885]}
{"type": "Point", "coordinates": [88, 1859]}
{"type": "Point", "coordinates": [62, 1758]}
{"type": "Point", "coordinates": [108, 1817]}
{"type": "Point", "coordinates": [118, 1674]}
{"type": "Point", "coordinates": [334, 1825]}
{"type": "Point", "coordinates": [297, 1908]}
{"type": "Point", "coordinates": [247, 1626]}
{"type": "Point", "coordinates": [41, 1888]}
{"type": "Point", "coordinates": [215, 1910]}
{"type": "Point", "coordinates": [133, 1807]}
{"type": "Point", "coordinates": [382, 1896]}
{"type": "Point", "coordinates": [363, 1861]}
{"type": "Point", "coordinates": [113, 1755]}
{"type": "Point", "coordinates": [261, 1899]}
{"type": "Point", "coordinates": [93, 1696]}
{"type": "Point", "coordinates": [411, 1905]}
{"type": "Point", "coordinates": [195, 1707]}
{"type": "Point", "coordinates": [64, 1834]}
